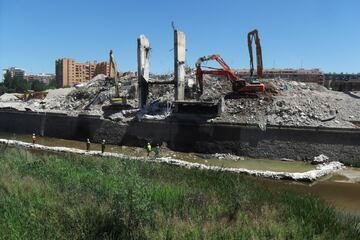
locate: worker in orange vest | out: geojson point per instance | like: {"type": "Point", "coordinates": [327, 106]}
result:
{"type": "Point", "coordinates": [33, 138]}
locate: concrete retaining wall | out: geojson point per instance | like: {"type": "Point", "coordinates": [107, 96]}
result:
{"type": "Point", "coordinates": [275, 142]}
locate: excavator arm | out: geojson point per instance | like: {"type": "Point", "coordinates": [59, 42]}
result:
{"type": "Point", "coordinates": [238, 85]}
{"type": "Point", "coordinates": [225, 71]}
{"type": "Point", "coordinates": [251, 36]}
{"type": "Point", "coordinates": [114, 74]}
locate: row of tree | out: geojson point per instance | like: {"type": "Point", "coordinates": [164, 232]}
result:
{"type": "Point", "coordinates": [20, 85]}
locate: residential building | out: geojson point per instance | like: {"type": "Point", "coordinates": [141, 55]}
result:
{"type": "Point", "coordinates": [69, 72]}
{"type": "Point", "coordinates": [342, 81]}
{"type": "Point", "coordinates": [292, 74]}
{"type": "Point", "coordinates": [16, 72]}
{"type": "Point", "coordinates": [42, 77]}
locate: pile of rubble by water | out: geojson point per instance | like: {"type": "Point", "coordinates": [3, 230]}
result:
{"type": "Point", "coordinates": [289, 103]}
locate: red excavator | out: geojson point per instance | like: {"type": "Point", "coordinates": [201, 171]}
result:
{"type": "Point", "coordinates": [238, 85]}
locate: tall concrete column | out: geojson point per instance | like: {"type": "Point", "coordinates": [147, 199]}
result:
{"type": "Point", "coordinates": [179, 64]}
{"type": "Point", "coordinates": [143, 48]}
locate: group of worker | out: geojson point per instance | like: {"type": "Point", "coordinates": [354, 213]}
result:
{"type": "Point", "coordinates": [156, 150]}
{"type": "Point", "coordinates": [103, 145]}
{"type": "Point", "coordinates": [88, 143]}
{"type": "Point", "coordinates": [149, 148]}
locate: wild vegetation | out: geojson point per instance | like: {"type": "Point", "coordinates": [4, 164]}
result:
{"type": "Point", "coordinates": [47, 196]}
{"type": "Point", "coordinates": [20, 85]}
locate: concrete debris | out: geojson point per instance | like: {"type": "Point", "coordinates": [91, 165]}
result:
{"type": "Point", "coordinates": [309, 176]}
{"type": "Point", "coordinates": [320, 159]}
{"type": "Point", "coordinates": [8, 97]}
{"type": "Point", "coordinates": [289, 103]}
{"type": "Point", "coordinates": [226, 156]}
{"type": "Point", "coordinates": [296, 104]}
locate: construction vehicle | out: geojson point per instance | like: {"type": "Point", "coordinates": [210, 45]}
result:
{"type": "Point", "coordinates": [259, 69]}
{"type": "Point", "coordinates": [118, 102]}
{"type": "Point", "coordinates": [114, 74]}
{"type": "Point", "coordinates": [239, 85]}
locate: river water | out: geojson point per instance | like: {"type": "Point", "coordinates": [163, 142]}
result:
{"type": "Point", "coordinates": [341, 189]}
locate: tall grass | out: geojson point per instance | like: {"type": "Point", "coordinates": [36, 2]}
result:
{"type": "Point", "coordinates": [46, 196]}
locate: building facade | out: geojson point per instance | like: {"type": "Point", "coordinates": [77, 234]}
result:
{"type": "Point", "coordinates": [43, 77]}
{"type": "Point", "coordinates": [69, 72]}
{"type": "Point", "coordinates": [292, 74]}
{"type": "Point", "coordinates": [15, 72]}
{"type": "Point", "coordinates": [342, 81]}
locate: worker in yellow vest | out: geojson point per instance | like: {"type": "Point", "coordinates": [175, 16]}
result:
{"type": "Point", "coordinates": [148, 149]}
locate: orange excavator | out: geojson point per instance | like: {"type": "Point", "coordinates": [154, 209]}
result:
{"type": "Point", "coordinates": [239, 85]}
{"type": "Point", "coordinates": [254, 35]}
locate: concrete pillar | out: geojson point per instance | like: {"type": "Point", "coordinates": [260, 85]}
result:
{"type": "Point", "coordinates": [143, 48]}
{"type": "Point", "coordinates": [179, 64]}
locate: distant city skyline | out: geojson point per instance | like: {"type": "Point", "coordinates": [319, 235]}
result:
{"type": "Point", "coordinates": [294, 34]}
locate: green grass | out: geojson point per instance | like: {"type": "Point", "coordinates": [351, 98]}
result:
{"type": "Point", "coordinates": [47, 196]}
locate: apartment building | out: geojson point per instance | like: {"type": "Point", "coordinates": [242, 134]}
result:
{"type": "Point", "coordinates": [69, 72]}
{"type": "Point", "coordinates": [42, 77]}
{"type": "Point", "coordinates": [15, 72]}
{"type": "Point", "coordinates": [292, 74]}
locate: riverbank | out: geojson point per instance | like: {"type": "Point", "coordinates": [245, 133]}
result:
{"type": "Point", "coordinates": [71, 196]}
{"type": "Point", "coordinates": [308, 176]}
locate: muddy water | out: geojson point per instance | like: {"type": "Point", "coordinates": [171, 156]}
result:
{"type": "Point", "coordinates": [338, 190]}
{"type": "Point", "coordinates": [341, 189]}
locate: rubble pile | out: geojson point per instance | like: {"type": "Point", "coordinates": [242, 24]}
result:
{"type": "Point", "coordinates": [6, 97]}
{"type": "Point", "coordinates": [90, 96]}
{"type": "Point", "coordinates": [55, 100]}
{"type": "Point", "coordinates": [295, 104]}
{"type": "Point", "coordinates": [215, 87]}
{"type": "Point", "coordinates": [309, 104]}
{"type": "Point", "coordinates": [290, 103]}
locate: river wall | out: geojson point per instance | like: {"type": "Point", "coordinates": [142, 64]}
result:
{"type": "Point", "coordinates": [299, 143]}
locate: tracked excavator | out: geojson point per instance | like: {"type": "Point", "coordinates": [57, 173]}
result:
{"type": "Point", "coordinates": [114, 74]}
{"type": "Point", "coordinates": [118, 102]}
{"type": "Point", "coordinates": [239, 85]}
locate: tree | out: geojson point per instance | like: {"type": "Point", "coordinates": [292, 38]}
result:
{"type": "Point", "coordinates": [37, 86]}
{"type": "Point", "coordinates": [3, 89]}
{"type": "Point", "coordinates": [15, 84]}
{"type": "Point", "coordinates": [52, 84]}
{"type": "Point", "coordinates": [7, 80]}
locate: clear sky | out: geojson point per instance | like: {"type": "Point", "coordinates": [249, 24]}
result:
{"type": "Point", "coordinates": [309, 33]}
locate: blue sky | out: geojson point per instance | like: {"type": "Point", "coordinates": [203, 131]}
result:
{"type": "Point", "coordinates": [309, 33]}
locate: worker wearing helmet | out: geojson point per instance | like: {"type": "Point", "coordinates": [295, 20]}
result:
{"type": "Point", "coordinates": [148, 149]}
{"type": "Point", "coordinates": [33, 138]}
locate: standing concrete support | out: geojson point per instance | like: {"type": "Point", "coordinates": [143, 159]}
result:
{"type": "Point", "coordinates": [179, 64]}
{"type": "Point", "coordinates": [143, 69]}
